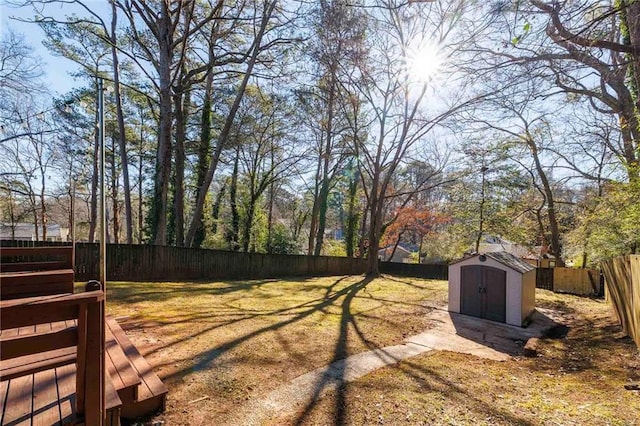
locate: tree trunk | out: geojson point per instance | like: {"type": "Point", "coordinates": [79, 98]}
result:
{"type": "Point", "coordinates": [556, 246]}
{"type": "Point", "coordinates": [324, 189]}
{"type": "Point", "coordinates": [352, 216]}
{"type": "Point", "coordinates": [215, 211]}
{"type": "Point", "coordinates": [270, 209]}
{"type": "Point", "coordinates": [313, 225]}
{"type": "Point", "coordinates": [158, 214]}
{"type": "Point", "coordinates": [43, 210]}
{"type": "Point", "coordinates": [235, 216]}
{"type": "Point", "coordinates": [363, 232]}
{"type": "Point", "coordinates": [373, 268]}
{"type": "Point", "coordinates": [204, 149]}
{"type": "Point", "coordinates": [376, 206]}
{"type": "Point", "coordinates": [181, 111]}
{"type": "Point", "coordinates": [36, 223]}
{"type": "Point", "coordinates": [224, 134]}
{"type": "Point", "coordinates": [322, 215]}
{"type": "Point", "coordinates": [246, 238]}
{"type": "Point", "coordinates": [122, 142]}
{"type": "Point", "coordinates": [114, 193]}
{"type": "Point", "coordinates": [140, 179]}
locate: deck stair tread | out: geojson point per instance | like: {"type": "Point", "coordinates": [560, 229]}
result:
{"type": "Point", "coordinates": [151, 391]}
{"type": "Point", "coordinates": [46, 265]}
{"type": "Point", "coordinates": [124, 377]}
{"type": "Point", "coordinates": [21, 284]}
{"type": "Point", "coordinates": [48, 276]}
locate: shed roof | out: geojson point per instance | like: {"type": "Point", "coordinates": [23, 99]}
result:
{"type": "Point", "coordinates": [507, 259]}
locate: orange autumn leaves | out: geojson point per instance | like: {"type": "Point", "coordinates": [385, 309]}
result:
{"type": "Point", "coordinates": [412, 223]}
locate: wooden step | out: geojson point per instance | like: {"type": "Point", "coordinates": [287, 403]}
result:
{"type": "Point", "coordinates": [35, 283]}
{"type": "Point", "coordinates": [46, 265]}
{"type": "Point", "coordinates": [152, 393]}
{"type": "Point", "coordinates": [124, 377]}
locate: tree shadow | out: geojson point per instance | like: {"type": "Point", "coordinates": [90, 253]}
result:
{"type": "Point", "coordinates": [297, 313]}
{"type": "Point", "coordinates": [337, 372]}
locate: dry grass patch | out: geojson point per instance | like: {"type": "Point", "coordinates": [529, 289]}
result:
{"type": "Point", "coordinates": [231, 341]}
{"type": "Point", "coordinates": [577, 380]}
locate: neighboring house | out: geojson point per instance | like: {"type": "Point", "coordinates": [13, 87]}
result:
{"type": "Point", "coordinates": [546, 259]}
{"type": "Point", "coordinates": [539, 256]}
{"type": "Point", "coordinates": [27, 231]}
{"type": "Point", "coordinates": [401, 255]}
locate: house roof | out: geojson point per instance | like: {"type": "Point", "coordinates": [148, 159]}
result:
{"type": "Point", "coordinates": [27, 230]}
{"type": "Point", "coordinates": [505, 258]}
{"type": "Point", "coordinates": [399, 248]}
{"type": "Point", "coordinates": [493, 244]}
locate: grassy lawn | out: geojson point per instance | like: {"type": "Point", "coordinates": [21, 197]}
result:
{"type": "Point", "coordinates": [235, 341]}
{"type": "Point", "coordinates": [577, 380]}
{"type": "Point", "coordinates": [231, 341]}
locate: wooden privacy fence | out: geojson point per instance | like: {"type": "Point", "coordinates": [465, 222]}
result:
{"type": "Point", "coordinates": [582, 282]}
{"type": "Point", "coordinates": [622, 277]}
{"type": "Point", "coordinates": [436, 271]}
{"type": "Point", "coordinates": [163, 263]}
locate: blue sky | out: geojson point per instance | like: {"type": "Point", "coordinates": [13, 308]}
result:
{"type": "Point", "coordinates": [57, 69]}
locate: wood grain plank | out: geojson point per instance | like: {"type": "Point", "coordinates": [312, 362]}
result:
{"type": "Point", "coordinates": [94, 377]}
{"type": "Point", "coordinates": [36, 342]}
{"type": "Point", "coordinates": [81, 360]}
{"type": "Point", "coordinates": [16, 367]}
{"type": "Point", "coordinates": [35, 310]}
{"type": "Point", "coordinates": [46, 265]}
{"type": "Point", "coordinates": [46, 407]}
{"type": "Point", "coordinates": [127, 376]}
{"type": "Point", "coordinates": [4, 389]}
{"type": "Point", "coordinates": [66, 379]}
{"type": "Point", "coordinates": [151, 384]}
{"type": "Point", "coordinates": [19, 401]}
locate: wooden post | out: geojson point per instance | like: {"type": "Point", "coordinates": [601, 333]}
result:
{"type": "Point", "coordinates": [95, 409]}
{"type": "Point", "coordinates": [81, 360]}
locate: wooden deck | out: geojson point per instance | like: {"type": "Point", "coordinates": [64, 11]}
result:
{"type": "Point", "coordinates": [48, 397]}
{"type": "Point", "coordinates": [50, 349]}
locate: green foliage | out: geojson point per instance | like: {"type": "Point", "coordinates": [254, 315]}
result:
{"type": "Point", "coordinates": [611, 227]}
{"type": "Point", "coordinates": [282, 241]}
{"type": "Point", "coordinates": [335, 248]}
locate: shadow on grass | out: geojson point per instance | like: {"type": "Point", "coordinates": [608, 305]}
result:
{"type": "Point", "coordinates": [430, 379]}
{"type": "Point", "coordinates": [138, 292]}
{"type": "Point", "coordinates": [333, 297]}
{"type": "Point", "coordinates": [296, 313]}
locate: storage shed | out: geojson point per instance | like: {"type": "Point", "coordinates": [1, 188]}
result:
{"type": "Point", "coordinates": [496, 286]}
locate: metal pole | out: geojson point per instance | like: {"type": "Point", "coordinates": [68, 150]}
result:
{"type": "Point", "coordinates": [103, 248]}
{"type": "Point", "coordinates": [73, 222]}
{"type": "Point", "coordinates": [103, 204]}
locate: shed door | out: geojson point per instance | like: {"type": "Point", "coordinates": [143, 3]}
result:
{"type": "Point", "coordinates": [483, 291]}
{"type": "Point", "coordinates": [470, 286]}
{"type": "Point", "coordinates": [495, 293]}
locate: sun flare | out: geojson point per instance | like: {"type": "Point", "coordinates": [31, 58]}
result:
{"type": "Point", "coordinates": [424, 62]}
